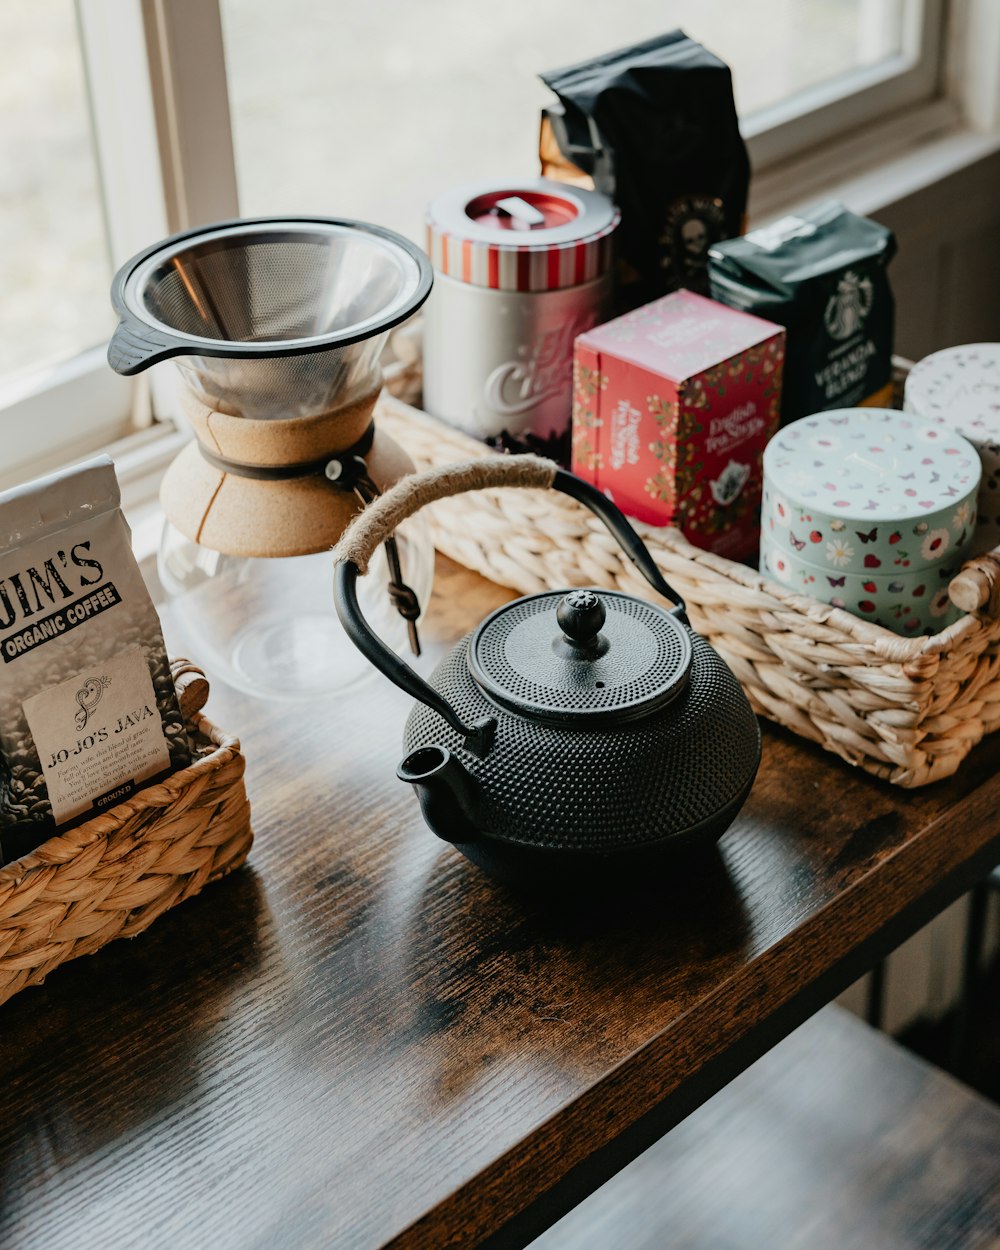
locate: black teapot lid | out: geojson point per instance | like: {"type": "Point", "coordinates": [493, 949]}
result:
{"type": "Point", "coordinates": [580, 657]}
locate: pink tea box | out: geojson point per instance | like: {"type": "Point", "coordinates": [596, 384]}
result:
{"type": "Point", "coordinates": [673, 405]}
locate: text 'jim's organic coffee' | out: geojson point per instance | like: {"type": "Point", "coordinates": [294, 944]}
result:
{"type": "Point", "coordinates": [654, 126]}
{"type": "Point", "coordinates": [89, 711]}
{"type": "Point", "coordinates": [823, 276]}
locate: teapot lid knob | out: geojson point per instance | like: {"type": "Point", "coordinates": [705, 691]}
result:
{"type": "Point", "coordinates": [580, 658]}
{"type": "Point", "coordinates": [581, 616]}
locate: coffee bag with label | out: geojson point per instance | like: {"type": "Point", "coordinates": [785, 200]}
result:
{"type": "Point", "coordinates": [88, 710]}
{"type": "Point", "coordinates": [823, 276]}
{"type": "Point", "coordinates": [655, 127]}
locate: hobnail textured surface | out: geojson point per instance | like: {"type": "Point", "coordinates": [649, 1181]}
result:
{"type": "Point", "coordinates": [596, 789]}
{"type": "Point", "coordinates": [519, 656]}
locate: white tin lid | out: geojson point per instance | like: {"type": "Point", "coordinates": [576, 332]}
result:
{"type": "Point", "coordinates": [959, 387]}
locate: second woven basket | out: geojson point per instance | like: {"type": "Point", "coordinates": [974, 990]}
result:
{"type": "Point", "coordinates": [116, 873]}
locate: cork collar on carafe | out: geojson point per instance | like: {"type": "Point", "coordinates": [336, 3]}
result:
{"type": "Point", "coordinates": [244, 516]}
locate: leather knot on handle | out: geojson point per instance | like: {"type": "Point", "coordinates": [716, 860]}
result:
{"type": "Point", "coordinates": [378, 521]}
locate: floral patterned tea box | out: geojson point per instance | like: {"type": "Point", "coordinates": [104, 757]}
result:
{"type": "Point", "coordinates": [959, 387]}
{"type": "Point", "coordinates": [673, 405]}
{"type": "Point", "coordinates": [906, 606]}
{"type": "Point", "coordinates": [871, 510]}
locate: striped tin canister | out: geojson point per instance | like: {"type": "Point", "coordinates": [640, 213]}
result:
{"type": "Point", "coordinates": [960, 388]}
{"type": "Point", "coordinates": [520, 270]}
{"type": "Point", "coordinates": [871, 510]}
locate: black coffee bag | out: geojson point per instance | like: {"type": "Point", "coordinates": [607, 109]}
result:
{"type": "Point", "coordinates": [823, 276]}
{"type": "Point", "coordinates": [655, 127]}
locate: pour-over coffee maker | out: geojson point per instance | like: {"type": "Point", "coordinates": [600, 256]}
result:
{"type": "Point", "coordinates": [276, 326]}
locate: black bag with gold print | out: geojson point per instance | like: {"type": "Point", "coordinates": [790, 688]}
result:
{"type": "Point", "coordinates": [655, 127]}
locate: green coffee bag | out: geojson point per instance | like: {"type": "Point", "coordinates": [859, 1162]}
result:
{"type": "Point", "coordinates": [822, 275]}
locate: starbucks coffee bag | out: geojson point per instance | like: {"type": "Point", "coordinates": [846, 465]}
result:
{"type": "Point", "coordinates": [822, 275]}
{"type": "Point", "coordinates": [88, 710]}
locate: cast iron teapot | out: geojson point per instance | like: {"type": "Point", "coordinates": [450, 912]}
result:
{"type": "Point", "coordinates": [574, 735]}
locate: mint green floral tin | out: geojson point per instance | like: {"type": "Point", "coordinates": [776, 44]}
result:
{"type": "Point", "coordinates": [872, 510]}
{"type": "Point", "coordinates": [909, 604]}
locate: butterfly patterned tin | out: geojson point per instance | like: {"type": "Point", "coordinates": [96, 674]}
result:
{"type": "Point", "coordinates": [960, 388]}
{"type": "Point", "coordinates": [870, 491]}
{"type": "Point", "coordinates": [909, 604]}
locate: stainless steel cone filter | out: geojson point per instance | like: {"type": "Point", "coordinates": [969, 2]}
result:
{"type": "Point", "coordinates": [271, 317]}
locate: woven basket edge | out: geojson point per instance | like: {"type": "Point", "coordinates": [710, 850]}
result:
{"type": "Point", "coordinates": [159, 795]}
{"type": "Point", "coordinates": [890, 647]}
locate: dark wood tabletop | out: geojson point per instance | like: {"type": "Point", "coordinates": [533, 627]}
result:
{"type": "Point", "coordinates": [358, 1041]}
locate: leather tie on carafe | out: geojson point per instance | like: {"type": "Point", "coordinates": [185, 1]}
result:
{"type": "Point", "coordinates": [352, 474]}
{"type": "Point", "coordinates": [287, 472]}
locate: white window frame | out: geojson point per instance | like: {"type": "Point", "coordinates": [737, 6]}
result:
{"type": "Point", "coordinates": [201, 133]}
{"type": "Point", "coordinates": [79, 405]}
{"type": "Point", "coordinates": [160, 111]}
{"type": "Point", "coordinates": [141, 93]}
{"type": "Point", "coordinates": [810, 118]}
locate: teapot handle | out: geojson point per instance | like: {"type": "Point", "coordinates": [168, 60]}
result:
{"type": "Point", "coordinates": [378, 521]}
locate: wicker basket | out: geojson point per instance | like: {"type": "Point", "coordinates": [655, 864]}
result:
{"type": "Point", "coordinates": [112, 876]}
{"type": "Point", "coordinates": [906, 709]}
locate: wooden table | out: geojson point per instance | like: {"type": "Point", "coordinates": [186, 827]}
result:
{"type": "Point", "coordinates": [358, 1041]}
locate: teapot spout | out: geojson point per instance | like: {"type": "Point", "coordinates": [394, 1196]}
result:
{"type": "Point", "coordinates": [449, 798]}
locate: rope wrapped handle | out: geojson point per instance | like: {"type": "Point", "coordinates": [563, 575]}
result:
{"type": "Point", "coordinates": [378, 521]}
{"type": "Point", "coordinates": [381, 517]}
{"type": "Point", "coordinates": [977, 587]}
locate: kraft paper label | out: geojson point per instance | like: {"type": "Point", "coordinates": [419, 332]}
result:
{"type": "Point", "coordinates": [98, 735]}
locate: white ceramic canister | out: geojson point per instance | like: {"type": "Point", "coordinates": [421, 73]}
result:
{"type": "Point", "coordinates": [960, 387]}
{"type": "Point", "coordinates": [522, 268]}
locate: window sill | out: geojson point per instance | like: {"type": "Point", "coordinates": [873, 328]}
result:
{"type": "Point", "coordinates": [875, 167]}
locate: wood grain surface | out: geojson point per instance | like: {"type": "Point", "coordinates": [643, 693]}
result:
{"type": "Point", "coordinates": [838, 1139]}
{"type": "Point", "coordinates": [358, 1041]}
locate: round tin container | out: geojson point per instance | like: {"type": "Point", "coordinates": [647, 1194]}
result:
{"type": "Point", "coordinates": [960, 388]}
{"type": "Point", "coordinates": [521, 269]}
{"type": "Point", "coordinates": [871, 491]}
{"type": "Point", "coordinates": [908, 603]}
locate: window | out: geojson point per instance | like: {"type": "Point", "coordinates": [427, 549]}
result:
{"type": "Point", "coordinates": [80, 190]}
{"type": "Point", "coordinates": [54, 253]}
{"type": "Point", "coordinates": [139, 117]}
{"type": "Point", "coordinates": [445, 93]}
{"type": "Point", "coordinates": [54, 264]}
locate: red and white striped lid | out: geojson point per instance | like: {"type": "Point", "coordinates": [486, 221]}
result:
{"type": "Point", "coordinates": [531, 235]}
